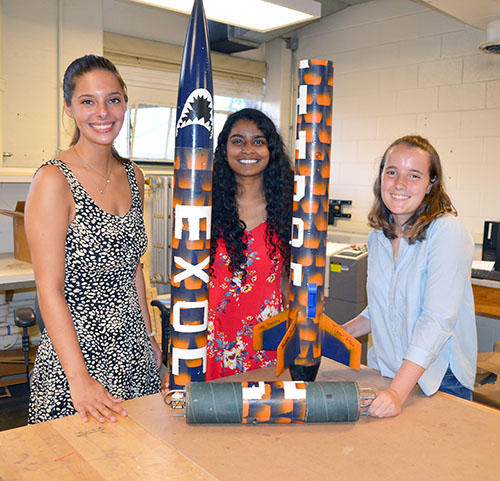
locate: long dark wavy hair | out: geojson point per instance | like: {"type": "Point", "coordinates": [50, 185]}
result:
{"type": "Point", "coordinates": [435, 204]}
{"type": "Point", "coordinates": [78, 68]}
{"type": "Point", "coordinates": [278, 190]}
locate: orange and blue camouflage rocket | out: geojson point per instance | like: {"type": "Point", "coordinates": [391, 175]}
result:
{"type": "Point", "coordinates": [192, 207]}
{"type": "Point", "coordinates": [280, 402]}
{"type": "Point", "coordinates": [310, 334]}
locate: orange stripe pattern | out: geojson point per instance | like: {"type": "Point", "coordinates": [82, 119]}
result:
{"type": "Point", "coordinates": [190, 264]}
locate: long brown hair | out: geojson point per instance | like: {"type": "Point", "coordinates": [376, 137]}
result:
{"type": "Point", "coordinates": [435, 204]}
{"type": "Point", "coordinates": [278, 190]}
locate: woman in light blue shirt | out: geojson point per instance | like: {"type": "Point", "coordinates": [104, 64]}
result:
{"type": "Point", "coordinates": [420, 303]}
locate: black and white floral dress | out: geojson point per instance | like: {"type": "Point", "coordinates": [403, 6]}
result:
{"type": "Point", "coordinates": [101, 255]}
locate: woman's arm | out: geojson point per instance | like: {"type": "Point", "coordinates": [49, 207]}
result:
{"type": "Point", "coordinates": [389, 402]}
{"type": "Point", "coordinates": [359, 326]}
{"type": "Point", "coordinates": [141, 293]}
{"type": "Point", "coordinates": [139, 281]}
{"type": "Point", "coordinates": [49, 210]}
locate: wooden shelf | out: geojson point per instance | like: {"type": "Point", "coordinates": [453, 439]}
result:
{"type": "Point", "coordinates": [16, 175]}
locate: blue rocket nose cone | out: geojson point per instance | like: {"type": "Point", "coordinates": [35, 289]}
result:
{"type": "Point", "coordinates": [195, 99]}
{"type": "Point", "coordinates": [198, 10]}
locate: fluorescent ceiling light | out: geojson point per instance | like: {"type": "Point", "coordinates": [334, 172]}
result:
{"type": "Point", "coordinates": [259, 15]}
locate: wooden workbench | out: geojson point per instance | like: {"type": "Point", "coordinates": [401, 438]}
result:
{"type": "Point", "coordinates": [486, 297]}
{"type": "Point", "coordinates": [436, 438]}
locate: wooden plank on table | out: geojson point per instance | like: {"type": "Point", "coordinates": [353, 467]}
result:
{"type": "Point", "coordinates": [68, 449]}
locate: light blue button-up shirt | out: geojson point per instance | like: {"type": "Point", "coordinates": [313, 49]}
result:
{"type": "Point", "coordinates": [421, 307]}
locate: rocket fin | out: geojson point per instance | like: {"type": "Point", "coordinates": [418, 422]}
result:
{"type": "Point", "coordinates": [288, 349]}
{"type": "Point", "coordinates": [268, 334]}
{"type": "Point", "coordinates": [338, 344]}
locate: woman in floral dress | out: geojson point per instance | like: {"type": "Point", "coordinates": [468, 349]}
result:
{"type": "Point", "coordinates": [251, 230]}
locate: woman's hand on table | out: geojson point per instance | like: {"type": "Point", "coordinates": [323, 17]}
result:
{"type": "Point", "coordinates": [165, 383]}
{"type": "Point", "coordinates": [91, 397]}
{"type": "Point", "coordinates": [387, 404]}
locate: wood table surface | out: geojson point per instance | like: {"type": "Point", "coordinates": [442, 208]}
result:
{"type": "Point", "coordinates": [67, 449]}
{"type": "Point", "coordinates": [486, 297]}
{"type": "Point", "coordinates": [435, 438]}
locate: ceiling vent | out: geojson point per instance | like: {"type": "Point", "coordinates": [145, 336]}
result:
{"type": "Point", "coordinates": [228, 39]}
{"type": "Point", "coordinates": [492, 44]}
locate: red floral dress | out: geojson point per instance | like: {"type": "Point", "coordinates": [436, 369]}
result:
{"type": "Point", "coordinates": [235, 307]}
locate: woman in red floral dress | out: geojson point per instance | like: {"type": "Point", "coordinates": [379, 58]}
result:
{"type": "Point", "coordinates": [251, 230]}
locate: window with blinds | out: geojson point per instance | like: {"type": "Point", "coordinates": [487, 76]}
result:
{"type": "Point", "coordinates": [151, 71]}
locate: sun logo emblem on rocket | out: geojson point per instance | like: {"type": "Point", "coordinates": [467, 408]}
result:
{"type": "Point", "coordinates": [197, 110]}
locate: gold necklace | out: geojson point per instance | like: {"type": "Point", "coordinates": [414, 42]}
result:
{"type": "Point", "coordinates": [105, 177]}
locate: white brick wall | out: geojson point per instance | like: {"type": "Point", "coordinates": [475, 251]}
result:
{"type": "Point", "coordinates": [481, 123]}
{"type": "Point", "coordinates": [440, 72]}
{"type": "Point", "coordinates": [464, 96]}
{"type": "Point", "coordinates": [400, 68]}
{"type": "Point", "coordinates": [417, 100]}
{"type": "Point", "coordinates": [491, 149]}
{"type": "Point", "coordinates": [493, 94]}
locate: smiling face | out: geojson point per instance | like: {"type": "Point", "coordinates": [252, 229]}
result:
{"type": "Point", "coordinates": [98, 106]}
{"type": "Point", "coordinates": [247, 149]}
{"type": "Point", "coordinates": [405, 181]}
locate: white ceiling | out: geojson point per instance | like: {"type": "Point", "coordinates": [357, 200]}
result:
{"type": "Point", "coordinates": [477, 13]}
{"type": "Point", "coordinates": [328, 7]}
{"type": "Point", "coordinates": [331, 6]}
{"type": "Point", "coordinates": [472, 12]}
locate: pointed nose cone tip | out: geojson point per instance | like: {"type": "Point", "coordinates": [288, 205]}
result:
{"type": "Point", "coordinates": [197, 33]}
{"type": "Point", "coordinates": [198, 9]}
{"type": "Point", "coordinates": [194, 123]}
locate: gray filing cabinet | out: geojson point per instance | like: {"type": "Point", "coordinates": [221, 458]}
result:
{"type": "Point", "coordinates": [345, 296]}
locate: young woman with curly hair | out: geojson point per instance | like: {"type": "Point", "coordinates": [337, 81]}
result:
{"type": "Point", "coordinates": [251, 230]}
{"type": "Point", "coordinates": [420, 303]}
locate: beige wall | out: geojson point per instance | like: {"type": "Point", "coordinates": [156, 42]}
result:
{"type": "Point", "coordinates": [39, 39]}
{"type": "Point", "coordinates": [277, 100]}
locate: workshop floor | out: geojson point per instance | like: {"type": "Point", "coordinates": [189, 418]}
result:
{"type": "Point", "coordinates": [14, 409]}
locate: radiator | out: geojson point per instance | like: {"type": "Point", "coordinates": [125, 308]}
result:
{"type": "Point", "coordinates": [161, 228]}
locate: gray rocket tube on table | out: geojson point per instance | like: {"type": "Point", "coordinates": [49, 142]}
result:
{"type": "Point", "coordinates": [272, 402]}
